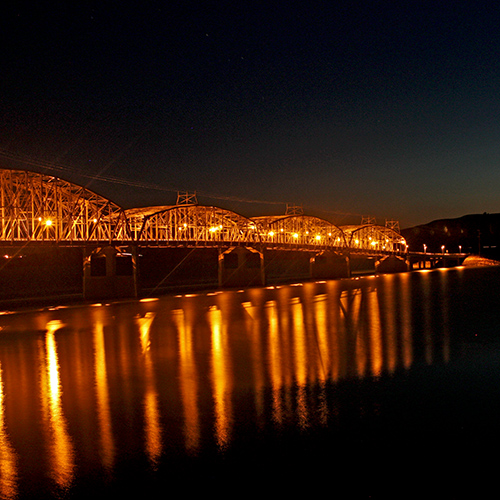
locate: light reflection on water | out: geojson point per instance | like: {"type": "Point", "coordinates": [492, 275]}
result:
{"type": "Point", "coordinates": [174, 376]}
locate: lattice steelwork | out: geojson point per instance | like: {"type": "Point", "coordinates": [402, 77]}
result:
{"type": "Point", "coordinates": [197, 224]}
{"type": "Point", "coordinates": [299, 230]}
{"type": "Point", "coordinates": [375, 238]}
{"type": "Point", "coordinates": [38, 207]}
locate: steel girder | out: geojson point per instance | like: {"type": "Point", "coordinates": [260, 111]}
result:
{"type": "Point", "coordinates": [39, 207]}
{"type": "Point", "coordinates": [300, 230]}
{"type": "Point", "coordinates": [375, 238]}
{"type": "Point", "coordinates": [198, 224]}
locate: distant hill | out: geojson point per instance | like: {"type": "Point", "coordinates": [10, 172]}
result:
{"type": "Point", "coordinates": [475, 233]}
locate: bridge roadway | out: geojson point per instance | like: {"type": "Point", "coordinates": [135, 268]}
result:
{"type": "Point", "coordinates": [49, 226]}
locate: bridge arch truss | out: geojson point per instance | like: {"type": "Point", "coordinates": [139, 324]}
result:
{"type": "Point", "coordinates": [374, 238]}
{"type": "Point", "coordinates": [39, 207]}
{"type": "Point", "coordinates": [300, 230]}
{"type": "Point", "coordinates": [36, 207]}
{"type": "Point", "coordinates": [196, 224]}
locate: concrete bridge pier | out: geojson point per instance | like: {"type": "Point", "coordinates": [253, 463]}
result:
{"type": "Point", "coordinates": [329, 265]}
{"type": "Point", "coordinates": [392, 264]}
{"type": "Point", "coordinates": [110, 272]}
{"type": "Point", "coordinates": [241, 266]}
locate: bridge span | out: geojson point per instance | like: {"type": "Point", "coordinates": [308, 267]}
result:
{"type": "Point", "coordinates": [45, 219]}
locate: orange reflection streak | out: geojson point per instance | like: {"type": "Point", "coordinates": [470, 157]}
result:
{"type": "Point", "coordinates": [274, 349]}
{"type": "Point", "coordinates": [106, 442]}
{"type": "Point", "coordinates": [444, 276]}
{"type": "Point", "coordinates": [61, 455]}
{"type": "Point", "coordinates": [375, 327]}
{"type": "Point", "coordinates": [8, 458]}
{"type": "Point", "coordinates": [321, 317]}
{"type": "Point", "coordinates": [350, 303]}
{"type": "Point", "coordinates": [300, 358]}
{"type": "Point", "coordinates": [391, 326]}
{"type": "Point", "coordinates": [299, 341]}
{"type": "Point", "coordinates": [405, 311]}
{"type": "Point", "coordinates": [152, 428]}
{"type": "Point", "coordinates": [426, 304]}
{"type": "Point", "coordinates": [253, 329]}
{"type": "Point", "coordinates": [188, 379]}
{"type": "Point", "coordinates": [322, 327]}
{"type": "Point", "coordinates": [221, 381]}
{"type": "Point", "coordinates": [337, 330]}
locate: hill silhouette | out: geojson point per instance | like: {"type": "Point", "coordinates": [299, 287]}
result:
{"type": "Point", "coordinates": [474, 233]}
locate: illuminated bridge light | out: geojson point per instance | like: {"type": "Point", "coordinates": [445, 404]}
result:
{"type": "Point", "coordinates": [29, 198]}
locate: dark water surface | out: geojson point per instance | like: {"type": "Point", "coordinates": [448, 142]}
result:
{"type": "Point", "coordinates": [382, 386]}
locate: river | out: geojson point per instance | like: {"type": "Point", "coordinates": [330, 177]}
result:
{"type": "Point", "coordinates": [378, 386]}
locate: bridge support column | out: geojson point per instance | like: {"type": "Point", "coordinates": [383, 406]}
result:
{"type": "Point", "coordinates": [329, 265]}
{"type": "Point", "coordinates": [241, 266]}
{"type": "Point", "coordinates": [110, 272]}
{"type": "Point", "coordinates": [392, 264]}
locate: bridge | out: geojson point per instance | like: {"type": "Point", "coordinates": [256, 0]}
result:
{"type": "Point", "coordinates": [40, 211]}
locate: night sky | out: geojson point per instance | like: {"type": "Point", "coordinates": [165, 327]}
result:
{"type": "Point", "coordinates": [350, 109]}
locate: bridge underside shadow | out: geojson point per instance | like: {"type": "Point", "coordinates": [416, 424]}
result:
{"type": "Point", "coordinates": [96, 272]}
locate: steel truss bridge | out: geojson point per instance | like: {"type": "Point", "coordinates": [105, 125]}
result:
{"type": "Point", "coordinates": [40, 208]}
